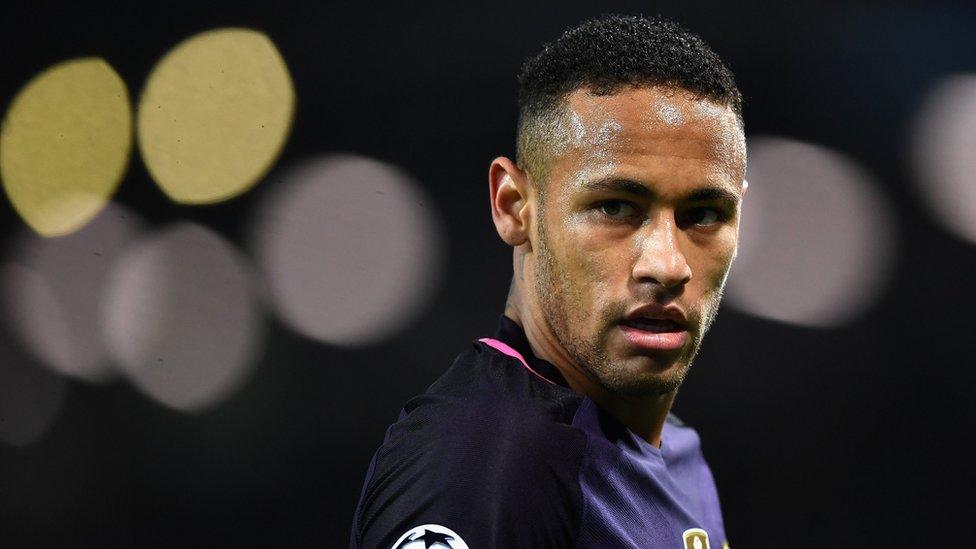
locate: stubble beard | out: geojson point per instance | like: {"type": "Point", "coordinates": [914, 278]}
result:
{"type": "Point", "coordinates": [561, 304]}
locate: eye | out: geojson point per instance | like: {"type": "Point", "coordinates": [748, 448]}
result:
{"type": "Point", "coordinates": [703, 217]}
{"type": "Point", "coordinates": [616, 209]}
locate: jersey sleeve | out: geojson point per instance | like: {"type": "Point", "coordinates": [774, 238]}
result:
{"type": "Point", "coordinates": [494, 474]}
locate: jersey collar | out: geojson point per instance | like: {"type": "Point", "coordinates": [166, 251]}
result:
{"type": "Point", "coordinates": [510, 333]}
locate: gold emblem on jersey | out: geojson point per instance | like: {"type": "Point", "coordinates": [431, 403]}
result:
{"type": "Point", "coordinates": [695, 538]}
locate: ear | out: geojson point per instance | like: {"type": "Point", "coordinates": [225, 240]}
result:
{"type": "Point", "coordinates": [508, 186]}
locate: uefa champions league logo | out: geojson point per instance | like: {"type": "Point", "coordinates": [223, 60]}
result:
{"type": "Point", "coordinates": [430, 536]}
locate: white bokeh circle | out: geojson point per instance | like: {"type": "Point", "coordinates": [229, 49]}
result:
{"type": "Point", "coordinates": [51, 303]}
{"type": "Point", "coordinates": [350, 249]}
{"type": "Point", "coordinates": [816, 236]}
{"type": "Point", "coordinates": [943, 146]}
{"type": "Point", "coordinates": [181, 319]}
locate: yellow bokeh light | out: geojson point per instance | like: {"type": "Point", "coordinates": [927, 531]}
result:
{"type": "Point", "coordinates": [65, 143]}
{"type": "Point", "coordinates": [215, 114]}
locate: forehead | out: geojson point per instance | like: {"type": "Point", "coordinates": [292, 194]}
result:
{"type": "Point", "coordinates": [663, 133]}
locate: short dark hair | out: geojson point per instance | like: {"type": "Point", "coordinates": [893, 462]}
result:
{"type": "Point", "coordinates": [604, 55]}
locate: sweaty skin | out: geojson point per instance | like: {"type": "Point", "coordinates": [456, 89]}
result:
{"type": "Point", "coordinates": [640, 205]}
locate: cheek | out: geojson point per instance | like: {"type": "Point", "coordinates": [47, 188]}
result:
{"type": "Point", "coordinates": [714, 260]}
{"type": "Point", "coordinates": [598, 265]}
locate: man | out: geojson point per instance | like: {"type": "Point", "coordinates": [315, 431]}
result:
{"type": "Point", "coordinates": [623, 212]}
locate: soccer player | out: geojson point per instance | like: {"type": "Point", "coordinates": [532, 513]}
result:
{"type": "Point", "coordinates": [622, 209]}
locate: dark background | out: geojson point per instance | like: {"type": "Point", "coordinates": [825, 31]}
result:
{"type": "Point", "coordinates": [841, 437]}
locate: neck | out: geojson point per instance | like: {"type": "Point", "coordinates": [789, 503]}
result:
{"type": "Point", "coordinates": [644, 415]}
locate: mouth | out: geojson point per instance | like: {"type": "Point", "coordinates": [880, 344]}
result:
{"type": "Point", "coordinates": [656, 325]}
{"type": "Point", "coordinates": [655, 328]}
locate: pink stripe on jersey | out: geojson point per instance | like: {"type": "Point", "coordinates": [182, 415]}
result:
{"type": "Point", "coordinates": [505, 349]}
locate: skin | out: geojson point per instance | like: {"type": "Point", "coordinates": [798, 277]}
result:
{"type": "Point", "coordinates": [640, 205]}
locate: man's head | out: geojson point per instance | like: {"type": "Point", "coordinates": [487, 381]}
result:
{"type": "Point", "coordinates": [604, 56]}
{"type": "Point", "coordinates": [624, 202]}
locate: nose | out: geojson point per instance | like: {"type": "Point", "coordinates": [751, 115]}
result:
{"type": "Point", "coordinates": [660, 258]}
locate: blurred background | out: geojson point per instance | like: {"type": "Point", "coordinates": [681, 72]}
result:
{"type": "Point", "coordinates": [234, 240]}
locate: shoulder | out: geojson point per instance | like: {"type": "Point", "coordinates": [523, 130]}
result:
{"type": "Point", "coordinates": [484, 397]}
{"type": "Point", "coordinates": [489, 454]}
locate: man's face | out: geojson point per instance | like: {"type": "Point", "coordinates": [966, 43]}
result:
{"type": "Point", "coordinates": [638, 221]}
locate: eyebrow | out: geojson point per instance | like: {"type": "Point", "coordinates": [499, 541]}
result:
{"type": "Point", "coordinates": [628, 186]}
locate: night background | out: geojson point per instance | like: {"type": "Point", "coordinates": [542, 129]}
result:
{"type": "Point", "coordinates": [279, 331]}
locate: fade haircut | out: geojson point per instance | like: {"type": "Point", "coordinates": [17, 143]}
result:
{"type": "Point", "coordinates": [603, 56]}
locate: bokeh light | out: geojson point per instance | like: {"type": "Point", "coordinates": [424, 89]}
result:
{"type": "Point", "coordinates": [816, 240]}
{"type": "Point", "coordinates": [351, 249]}
{"type": "Point", "coordinates": [181, 318]}
{"type": "Point", "coordinates": [30, 396]}
{"type": "Point", "coordinates": [943, 146]}
{"type": "Point", "coordinates": [65, 144]}
{"type": "Point", "coordinates": [52, 304]}
{"type": "Point", "coordinates": [215, 114]}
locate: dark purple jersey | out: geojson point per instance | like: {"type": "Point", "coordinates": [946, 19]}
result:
{"type": "Point", "coordinates": [500, 453]}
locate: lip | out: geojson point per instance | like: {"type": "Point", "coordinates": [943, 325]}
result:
{"type": "Point", "coordinates": [659, 312]}
{"type": "Point", "coordinates": [655, 340]}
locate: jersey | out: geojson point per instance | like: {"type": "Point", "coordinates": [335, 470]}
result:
{"type": "Point", "coordinates": [500, 453]}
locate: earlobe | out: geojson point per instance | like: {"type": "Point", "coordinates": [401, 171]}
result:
{"type": "Point", "coordinates": [508, 191]}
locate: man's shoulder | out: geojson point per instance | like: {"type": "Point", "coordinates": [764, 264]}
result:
{"type": "Point", "coordinates": [484, 447]}
{"type": "Point", "coordinates": [487, 400]}
{"type": "Point", "coordinates": [482, 372]}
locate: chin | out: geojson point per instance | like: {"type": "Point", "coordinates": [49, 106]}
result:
{"type": "Point", "coordinates": [646, 376]}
